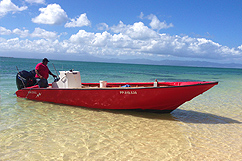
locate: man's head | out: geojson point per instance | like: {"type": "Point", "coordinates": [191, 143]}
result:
{"type": "Point", "coordinates": [45, 61]}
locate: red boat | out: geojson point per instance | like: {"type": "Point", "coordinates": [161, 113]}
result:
{"type": "Point", "coordinates": [158, 96]}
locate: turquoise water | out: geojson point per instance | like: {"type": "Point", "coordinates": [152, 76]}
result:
{"type": "Point", "coordinates": [205, 128]}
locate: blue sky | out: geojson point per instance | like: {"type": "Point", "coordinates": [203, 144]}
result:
{"type": "Point", "coordinates": [122, 29]}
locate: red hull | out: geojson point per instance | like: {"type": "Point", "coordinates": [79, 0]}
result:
{"type": "Point", "coordinates": [166, 97]}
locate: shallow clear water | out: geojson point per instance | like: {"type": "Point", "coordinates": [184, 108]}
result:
{"type": "Point", "coordinates": [208, 127]}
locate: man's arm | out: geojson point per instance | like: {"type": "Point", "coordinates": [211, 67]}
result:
{"type": "Point", "coordinates": [52, 74]}
{"type": "Point", "coordinates": [40, 76]}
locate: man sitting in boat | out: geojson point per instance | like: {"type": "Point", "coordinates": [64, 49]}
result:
{"type": "Point", "coordinates": [42, 73]}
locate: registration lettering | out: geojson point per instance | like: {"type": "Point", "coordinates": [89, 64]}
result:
{"type": "Point", "coordinates": [32, 92]}
{"type": "Point", "coordinates": [128, 92]}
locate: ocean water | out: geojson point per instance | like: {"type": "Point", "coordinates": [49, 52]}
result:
{"type": "Point", "coordinates": [209, 127]}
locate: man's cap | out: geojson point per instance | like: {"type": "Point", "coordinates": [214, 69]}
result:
{"type": "Point", "coordinates": [45, 59]}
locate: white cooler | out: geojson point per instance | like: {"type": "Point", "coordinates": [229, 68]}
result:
{"type": "Point", "coordinates": [68, 79]}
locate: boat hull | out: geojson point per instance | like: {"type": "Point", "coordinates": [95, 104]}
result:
{"type": "Point", "coordinates": [163, 98]}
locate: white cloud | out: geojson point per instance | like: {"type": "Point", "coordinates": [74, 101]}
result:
{"type": "Point", "coordinates": [53, 14]}
{"type": "Point", "coordinates": [4, 31]}
{"type": "Point", "coordinates": [140, 31]}
{"type": "Point", "coordinates": [35, 46]}
{"type": "Point", "coordinates": [141, 16]}
{"type": "Point", "coordinates": [102, 26]}
{"type": "Point", "coordinates": [37, 33]}
{"type": "Point", "coordinates": [240, 47]}
{"type": "Point", "coordinates": [121, 27]}
{"type": "Point", "coordinates": [136, 31]}
{"type": "Point", "coordinates": [41, 33]}
{"type": "Point", "coordinates": [82, 37]}
{"type": "Point", "coordinates": [7, 6]}
{"type": "Point", "coordinates": [140, 40]}
{"type": "Point", "coordinates": [82, 20]}
{"type": "Point", "coordinates": [122, 41]}
{"type": "Point", "coordinates": [130, 40]}
{"type": "Point", "coordinates": [101, 39]}
{"type": "Point", "coordinates": [36, 1]}
{"type": "Point", "coordinates": [229, 52]}
{"type": "Point", "coordinates": [156, 24]}
{"type": "Point", "coordinates": [22, 34]}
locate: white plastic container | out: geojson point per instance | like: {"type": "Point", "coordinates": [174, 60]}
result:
{"type": "Point", "coordinates": [103, 84]}
{"type": "Point", "coordinates": [156, 83]}
{"type": "Point", "coordinates": [68, 79]}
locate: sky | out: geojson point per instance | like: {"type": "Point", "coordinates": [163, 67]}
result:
{"type": "Point", "coordinates": [94, 30]}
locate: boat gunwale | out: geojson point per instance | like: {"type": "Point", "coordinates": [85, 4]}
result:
{"type": "Point", "coordinates": [199, 83]}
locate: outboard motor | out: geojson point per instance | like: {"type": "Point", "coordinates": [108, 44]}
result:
{"type": "Point", "coordinates": [25, 79]}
